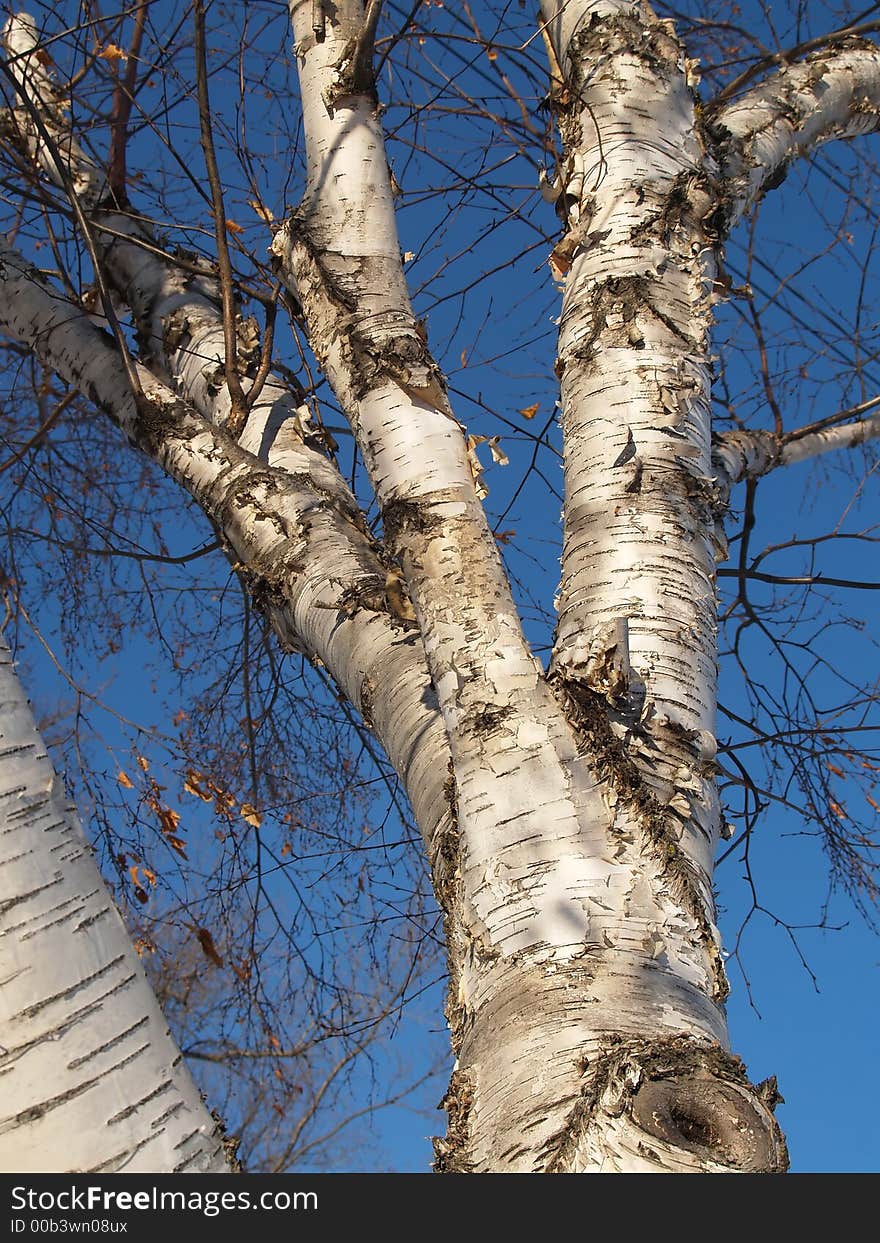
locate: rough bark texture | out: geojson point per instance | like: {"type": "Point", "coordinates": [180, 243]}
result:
{"type": "Point", "coordinates": [92, 1079]}
{"type": "Point", "coordinates": [571, 815]}
{"type": "Point", "coordinates": [576, 874]}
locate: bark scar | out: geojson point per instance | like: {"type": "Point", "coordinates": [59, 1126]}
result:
{"type": "Point", "coordinates": [684, 1096]}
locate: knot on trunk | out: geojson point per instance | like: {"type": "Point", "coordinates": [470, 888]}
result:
{"type": "Point", "coordinates": [678, 1105]}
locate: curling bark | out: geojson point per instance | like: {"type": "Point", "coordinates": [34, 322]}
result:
{"type": "Point", "coordinates": [571, 814]}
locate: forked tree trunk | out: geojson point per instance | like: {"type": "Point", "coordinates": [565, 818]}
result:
{"type": "Point", "coordinates": [587, 986]}
{"type": "Point", "coordinates": [571, 815]}
{"type": "Point", "coordinates": [92, 1079]}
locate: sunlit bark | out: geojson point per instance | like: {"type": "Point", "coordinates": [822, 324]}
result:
{"type": "Point", "coordinates": [832, 94]}
{"type": "Point", "coordinates": [571, 814]}
{"type": "Point", "coordinates": [92, 1079]}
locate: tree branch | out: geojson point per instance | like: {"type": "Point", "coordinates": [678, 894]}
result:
{"type": "Point", "coordinates": [743, 454]}
{"type": "Point", "coordinates": [828, 95]}
{"type": "Point", "coordinates": [123, 98]}
{"type": "Point", "coordinates": [20, 33]}
{"type": "Point", "coordinates": [310, 569]}
{"type": "Point", "coordinates": [790, 55]}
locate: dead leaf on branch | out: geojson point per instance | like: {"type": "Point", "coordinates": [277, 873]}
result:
{"type": "Point", "coordinates": [560, 262]}
{"type": "Point", "coordinates": [251, 815]}
{"type": "Point", "coordinates": [193, 785]}
{"type": "Point", "coordinates": [209, 949]}
{"type": "Point", "coordinates": [262, 211]}
{"type": "Point", "coordinates": [112, 54]}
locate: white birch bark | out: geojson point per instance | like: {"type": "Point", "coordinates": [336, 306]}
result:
{"type": "Point", "coordinates": [310, 581]}
{"type": "Point", "coordinates": [742, 454]}
{"type": "Point", "coordinates": [92, 1078]}
{"type": "Point", "coordinates": [831, 94]}
{"type": "Point", "coordinates": [583, 957]}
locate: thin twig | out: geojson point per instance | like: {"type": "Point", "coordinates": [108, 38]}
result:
{"type": "Point", "coordinates": [792, 54]}
{"type": "Point", "coordinates": [239, 408]}
{"type": "Point", "coordinates": [266, 357]}
{"type": "Point", "coordinates": [123, 98]}
{"type": "Point", "coordinates": [40, 432]}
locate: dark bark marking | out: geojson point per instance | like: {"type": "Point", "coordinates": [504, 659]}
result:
{"type": "Point", "coordinates": [450, 1153]}
{"type": "Point", "coordinates": [688, 1094]}
{"type": "Point", "coordinates": [613, 764]}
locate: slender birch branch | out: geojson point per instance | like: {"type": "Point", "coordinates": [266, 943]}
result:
{"type": "Point", "coordinates": [844, 436]}
{"type": "Point", "coordinates": [36, 122]}
{"type": "Point", "coordinates": [24, 32]}
{"type": "Point", "coordinates": [179, 316]}
{"type": "Point", "coordinates": [744, 454]}
{"type": "Point", "coordinates": [832, 94]}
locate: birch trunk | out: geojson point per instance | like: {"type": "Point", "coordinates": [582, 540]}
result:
{"type": "Point", "coordinates": [586, 998]}
{"type": "Point", "coordinates": [92, 1079]}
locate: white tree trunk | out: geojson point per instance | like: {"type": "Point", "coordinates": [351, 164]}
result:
{"type": "Point", "coordinates": [92, 1079]}
{"type": "Point", "coordinates": [586, 979]}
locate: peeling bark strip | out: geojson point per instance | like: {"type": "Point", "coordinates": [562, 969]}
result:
{"type": "Point", "coordinates": [92, 1079]}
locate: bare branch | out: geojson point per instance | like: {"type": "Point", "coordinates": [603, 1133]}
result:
{"type": "Point", "coordinates": [123, 98]}
{"type": "Point", "coordinates": [239, 410]}
{"type": "Point", "coordinates": [827, 96]}
{"type": "Point", "coordinates": [747, 454]}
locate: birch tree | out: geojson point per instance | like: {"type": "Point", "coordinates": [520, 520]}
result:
{"type": "Point", "coordinates": [89, 1064]}
{"type": "Point", "coordinates": [569, 809]}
